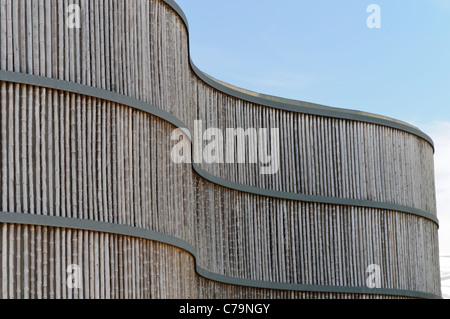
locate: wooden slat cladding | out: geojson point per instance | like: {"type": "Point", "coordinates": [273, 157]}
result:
{"type": "Point", "coordinates": [74, 156]}
{"type": "Point", "coordinates": [140, 49]}
{"type": "Point", "coordinates": [112, 267]}
{"type": "Point", "coordinates": [71, 155]}
{"type": "Point", "coordinates": [330, 157]}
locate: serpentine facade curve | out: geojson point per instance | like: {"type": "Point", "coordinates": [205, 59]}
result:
{"type": "Point", "coordinates": [87, 179]}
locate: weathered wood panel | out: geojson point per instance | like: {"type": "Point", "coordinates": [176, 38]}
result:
{"type": "Point", "coordinates": [133, 268]}
{"type": "Point", "coordinates": [70, 155]}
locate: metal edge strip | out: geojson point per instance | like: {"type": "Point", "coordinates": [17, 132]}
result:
{"type": "Point", "coordinates": [312, 198]}
{"type": "Point", "coordinates": [103, 227]}
{"type": "Point", "coordinates": [287, 105]}
{"type": "Point", "coordinates": [106, 95]}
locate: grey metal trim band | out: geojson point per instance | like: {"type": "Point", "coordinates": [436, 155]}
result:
{"type": "Point", "coordinates": [86, 90]}
{"type": "Point", "coordinates": [312, 198]}
{"type": "Point", "coordinates": [96, 226]}
{"type": "Point", "coordinates": [292, 105]}
{"type": "Point", "coordinates": [70, 87]}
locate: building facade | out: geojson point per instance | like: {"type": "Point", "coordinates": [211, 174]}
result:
{"type": "Point", "coordinates": [93, 206]}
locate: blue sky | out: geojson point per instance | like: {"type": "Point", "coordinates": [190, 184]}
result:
{"type": "Point", "coordinates": [322, 51]}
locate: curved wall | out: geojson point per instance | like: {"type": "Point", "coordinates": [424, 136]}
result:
{"type": "Point", "coordinates": [86, 120]}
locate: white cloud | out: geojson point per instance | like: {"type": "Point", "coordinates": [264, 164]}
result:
{"type": "Point", "coordinates": [440, 133]}
{"type": "Point", "coordinates": [445, 273]}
